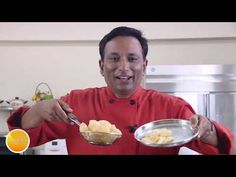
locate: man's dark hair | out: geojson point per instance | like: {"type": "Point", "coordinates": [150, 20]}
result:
{"type": "Point", "coordinates": [124, 31]}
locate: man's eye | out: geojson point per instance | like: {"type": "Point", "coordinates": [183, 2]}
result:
{"type": "Point", "coordinates": [132, 59]}
{"type": "Point", "coordinates": [114, 58]}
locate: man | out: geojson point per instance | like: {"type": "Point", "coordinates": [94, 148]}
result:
{"type": "Point", "coordinates": [123, 102]}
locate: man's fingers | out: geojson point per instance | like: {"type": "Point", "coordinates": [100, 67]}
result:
{"type": "Point", "coordinates": [65, 106]}
{"type": "Point", "coordinates": [55, 117]}
{"type": "Point", "coordinates": [204, 127]}
{"type": "Point", "coordinates": [63, 111]}
{"type": "Point", "coordinates": [63, 116]}
{"type": "Point", "coordinates": [194, 120]}
{"type": "Point", "coordinates": [201, 122]}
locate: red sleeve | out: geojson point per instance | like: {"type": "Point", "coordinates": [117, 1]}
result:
{"type": "Point", "coordinates": [225, 137]}
{"type": "Point", "coordinates": [46, 132]}
{"type": "Point", "coordinates": [69, 98]}
{"type": "Point", "coordinates": [225, 143]}
{"type": "Point", "coordinates": [14, 121]}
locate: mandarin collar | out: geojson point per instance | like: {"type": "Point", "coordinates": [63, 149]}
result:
{"type": "Point", "coordinates": [133, 96]}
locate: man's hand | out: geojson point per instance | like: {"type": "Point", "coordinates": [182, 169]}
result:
{"type": "Point", "coordinates": [207, 132]}
{"type": "Point", "coordinates": [50, 110]}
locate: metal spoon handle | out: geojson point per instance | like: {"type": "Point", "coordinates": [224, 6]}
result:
{"type": "Point", "coordinates": [74, 119]}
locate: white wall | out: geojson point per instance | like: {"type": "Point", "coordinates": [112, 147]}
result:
{"type": "Point", "coordinates": [95, 31]}
{"type": "Point", "coordinates": [65, 55]}
{"type": "Point", "coordinates": [193, 51]}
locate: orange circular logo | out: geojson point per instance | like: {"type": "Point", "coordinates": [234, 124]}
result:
{"type": "Point", "coordinates": [17, 141]}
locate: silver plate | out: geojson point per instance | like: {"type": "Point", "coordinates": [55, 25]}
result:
{"type": "Point", "coordinates": [182, 131]}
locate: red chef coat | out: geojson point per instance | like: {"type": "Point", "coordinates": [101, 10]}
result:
{"type": "Point", "coordinates": [141, 107]}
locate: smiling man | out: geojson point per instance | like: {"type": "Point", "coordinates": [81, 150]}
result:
{"type": "Point", "coordinates": [123, 64]}
{"type": "Point", "coordinates": [123, 102]}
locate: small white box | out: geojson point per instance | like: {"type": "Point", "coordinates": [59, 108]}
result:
{"type": "Point", "coordinates": [186, 151]}
{"type": "Point", "coordinates": [56, 147]}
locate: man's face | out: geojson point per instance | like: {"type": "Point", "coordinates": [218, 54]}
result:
{"type": "Point", "coordinates": [123, 65]}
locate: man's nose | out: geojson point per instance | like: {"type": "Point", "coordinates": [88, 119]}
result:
{"type": "Point", "coordinates": [123, 65]}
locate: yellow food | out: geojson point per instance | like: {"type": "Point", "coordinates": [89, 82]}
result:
{"type": "Point", "coordinates": [99, 126]}
{"type": "Point", "coordinates": [83, 127]}
{"type": "Point", "coordinates": [158, 136]}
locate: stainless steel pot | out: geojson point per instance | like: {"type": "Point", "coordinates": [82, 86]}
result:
{"type": "Point", "coordinates": [17, 102]}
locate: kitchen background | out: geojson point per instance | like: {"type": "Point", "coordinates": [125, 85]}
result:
{"type": "Point", "coordinates": [65, 55]}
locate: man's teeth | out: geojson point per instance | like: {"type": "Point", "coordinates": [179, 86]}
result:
{"type": "Point", "coordinates": [124, 77]}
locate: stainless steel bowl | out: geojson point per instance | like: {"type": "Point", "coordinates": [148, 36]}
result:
{"type": "Point", "coordinates": [97, 138]}
{"type": "Point", "coordinates": [100, 138]}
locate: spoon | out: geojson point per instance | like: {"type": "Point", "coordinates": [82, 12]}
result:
{"type": "Point", "coordinates": [97, 138]}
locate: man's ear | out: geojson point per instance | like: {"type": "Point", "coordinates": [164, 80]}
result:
{"type": "Point", "coordinates": [145, 63]}
{"type": "Point", "coordinates": [101, 65]}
